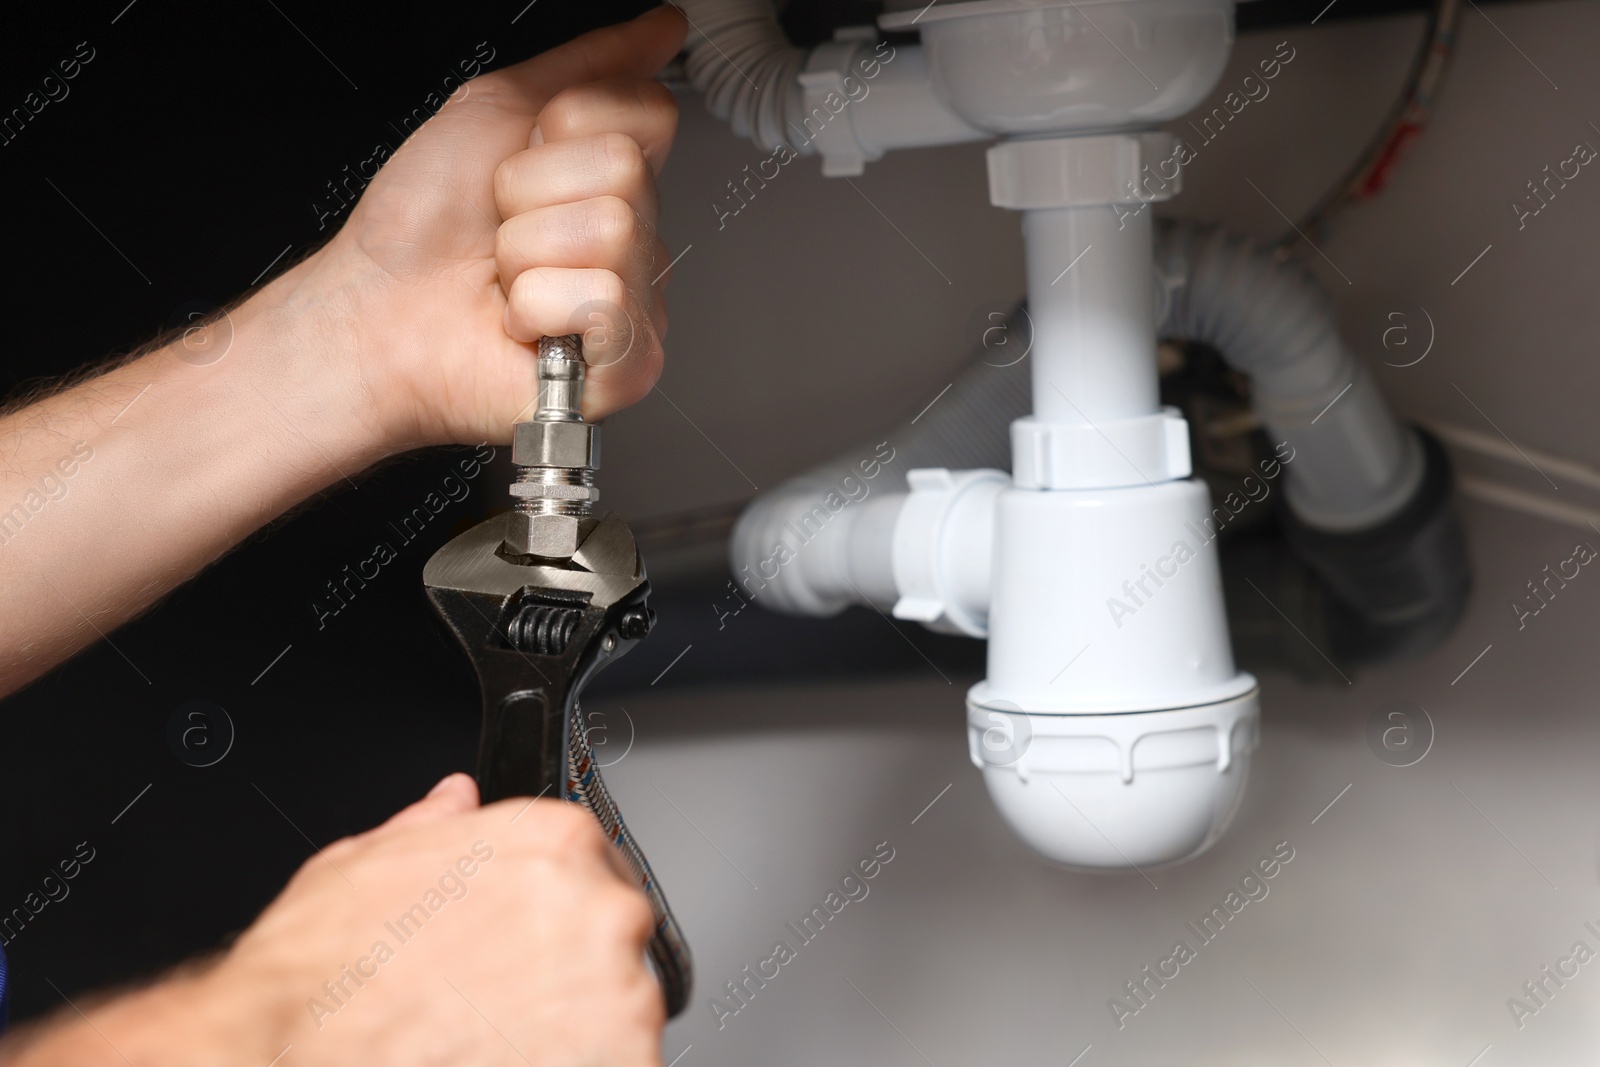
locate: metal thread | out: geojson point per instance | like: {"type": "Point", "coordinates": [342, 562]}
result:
{"type": "Point", "coordinates": [544, 505]}
{"type": "Point", "coordinates": [561, 377]}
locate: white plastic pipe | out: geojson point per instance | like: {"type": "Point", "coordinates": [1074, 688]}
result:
{"type": "Point", "coordinates": [901, 108]}
{"type": "Point", "coordinates": [1092, 303]}
{"type": "Point", "coordinates": [1109, 663]}
{"type": "Point", "coordinates": [809, 549]}
{"type": "Point", "coordinates": [926, 555]}
{"type": "Point", "coordinates": [1121, 584]}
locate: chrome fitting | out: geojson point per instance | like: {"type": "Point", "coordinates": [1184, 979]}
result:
{"type": "Point", "coordinates": [556, 444]}
{"type": "Point", "coordinates": [554, 495]}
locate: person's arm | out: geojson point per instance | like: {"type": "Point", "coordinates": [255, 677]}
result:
{"type": "Point", "coordinates": [503, 936]}
{"type": "Point", "coordinates": [411, 327]}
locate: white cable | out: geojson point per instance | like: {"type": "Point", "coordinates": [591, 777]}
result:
{"type": "Point", "coordinates": [1529, 503]}
{"type": "Point", "coordinates": [1571, 470]}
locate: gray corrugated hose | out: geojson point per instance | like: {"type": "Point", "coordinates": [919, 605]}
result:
{"type": "Point", "coordinates": [1355, 464]}
{"type": "Point", "coordinates": [742, 61]}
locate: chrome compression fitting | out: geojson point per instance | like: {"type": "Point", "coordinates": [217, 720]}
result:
{"type": "Point", "coordinates": [557, 454]}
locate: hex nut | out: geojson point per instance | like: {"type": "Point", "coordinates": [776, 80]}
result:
{"type": "Point", "coordinates": [556, 536]}
{"type": "Point", "coordinates": [531, 490]}
{"type": "Point", "coordinates": [556, 444]}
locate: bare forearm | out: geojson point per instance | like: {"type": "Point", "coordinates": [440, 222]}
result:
{"type": "Point", "coordinates": [117, 490]}
{"type": "Point", "coordinates": [194, 1017]}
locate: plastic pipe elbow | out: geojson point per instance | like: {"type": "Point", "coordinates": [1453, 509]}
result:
{"type": "Point", "coordinates": [926, 554]}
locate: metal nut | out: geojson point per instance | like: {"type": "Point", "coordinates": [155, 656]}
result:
{"type": "Point", "coordinates": [544, 535]}
{"type": "Point", "coordinates": [554, 491]}
{"type": "Point", "coordinates": [556, 444]}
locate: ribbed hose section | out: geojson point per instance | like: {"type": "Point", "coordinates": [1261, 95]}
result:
{"type": "Point", "coordinates": [1355, 464]}
{"type": "Point", "coordinates": [1285, 331]}
{"type": "Point", "coordinates": [668, 950]}
{"type": "Point", "coordinates": [742, 61]}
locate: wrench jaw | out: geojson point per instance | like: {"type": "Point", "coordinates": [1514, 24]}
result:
{"type": "Point", "coordinates": [536, 632]}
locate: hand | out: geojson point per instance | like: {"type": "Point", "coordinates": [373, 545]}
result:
{"type": "Point", "coordinates": [450, 934]}
{"type": "Point", "coordinates": [526, 207]}
{"type": "Point", "coordinates": [399, 333]}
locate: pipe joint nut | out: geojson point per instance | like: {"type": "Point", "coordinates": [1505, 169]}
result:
{"type": "Point", "coordinates": [1118, 168]}
{"type": "Point", "coordinates": [556, 444]}
{"type": "Point", "coordinates": [553, 535]}
{"type": "Point", "coordinates": [555, 492]}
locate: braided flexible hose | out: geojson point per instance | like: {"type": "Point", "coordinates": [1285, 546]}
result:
{"type": "Point", "coordinates": [668, 950]}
